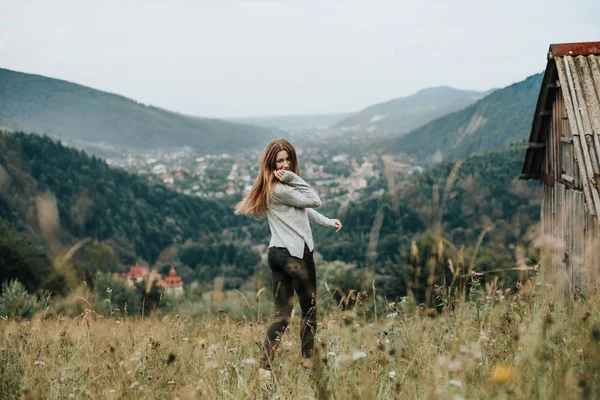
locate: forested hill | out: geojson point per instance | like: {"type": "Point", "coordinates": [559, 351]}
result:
{"type": "Point", "coordinates": [97, 201]}
{"type": "Point", "coordinates": [500, 118]}
{"type": "Point", "coordinates": [34, 103]}
{"type": "Point", "coordinates": [400, 115]}
{"type": "Point", "coordinates": [485, 193]}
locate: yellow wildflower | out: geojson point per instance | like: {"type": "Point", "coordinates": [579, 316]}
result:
{"type": "Point", "coordinates": [501, 373]}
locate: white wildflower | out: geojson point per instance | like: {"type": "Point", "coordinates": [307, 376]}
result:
{"type": "Point", "coordinates": [454, 365]}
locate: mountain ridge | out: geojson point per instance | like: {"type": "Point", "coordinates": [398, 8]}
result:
{"type": "Point", "coordinates": [400, 115]}
{"type": "Point", "coordinates": [494, 121]}
{"type": "Point", "coordinates": [35, 103]}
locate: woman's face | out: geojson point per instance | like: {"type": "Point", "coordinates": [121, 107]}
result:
{"type": "Point", "coordinates": [282, 161]}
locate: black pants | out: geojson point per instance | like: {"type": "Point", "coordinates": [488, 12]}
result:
{"type": "Point", "coordinates": [291, 274]}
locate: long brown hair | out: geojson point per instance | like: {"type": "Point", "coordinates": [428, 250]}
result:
{"type": "Point", "coordinates": [256, 203]}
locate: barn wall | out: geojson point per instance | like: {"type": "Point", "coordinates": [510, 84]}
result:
{"type": "Point", "coordinates": [572, 256]}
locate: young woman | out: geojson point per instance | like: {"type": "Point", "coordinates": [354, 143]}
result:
{"type": "Point", "coordinates": [288, 202]}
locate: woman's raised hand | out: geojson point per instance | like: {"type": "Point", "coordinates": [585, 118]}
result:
{"type": "Point", "coordinates": [279, 174]}
{"type": "Point", "coordinates": [338, 225]}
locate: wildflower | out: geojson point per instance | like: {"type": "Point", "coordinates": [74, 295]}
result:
{"type": "Point", "coordinates": [454, 365]}
{"type": "Point", "coordinates": [358, 355]}
{"type": "Point", "coordinates": [249, 361]}
{"type": "Point", "coordinates": [455, 382]}
{"type": "Point", "coordinates": [202, 342]}
{"type": "Point", "coordinates": [38, 362]}
{"type": "Point", "coordinates": [133, 385]}
{"type": "Point", "coordinates": [331, 353]}
{"type": "Point", "coordinates": [170, 382]}
{"type": "Point", "coordinates": [374, 372]}
{"type": "Point", "coordinates": [220, 310]}
{"type": "Point", "coordinates": [108, 290]}
{"type": "Point", "coordinates": [520, 348]}
{"type": "Point", "coordinates": [392, 374]}
{"type": "Point", "coordinates": [501, 373]}
{"type": "Point", "coordinates": [185, 339]}
{"type": "Point", "coordinates": [519, 285]}
{"type": "Point", "coordinates": [475, 273]}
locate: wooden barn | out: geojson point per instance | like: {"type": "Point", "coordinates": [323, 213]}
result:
{"type": "Point", "coordinates": [564, 153]}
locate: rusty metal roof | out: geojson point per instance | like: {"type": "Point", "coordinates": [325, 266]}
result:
{"type": "Point", "coordinates": [575, 68]}
{"type": "Point", "coordinates": [575, 49]}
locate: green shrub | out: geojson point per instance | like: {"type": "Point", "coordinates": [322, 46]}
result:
{"type": "Point", "coordinates": [16, 302]}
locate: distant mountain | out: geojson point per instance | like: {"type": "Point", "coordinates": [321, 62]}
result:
{"type": "Point", "coordinates": [292, 121]}
{"type": "Point", "coordinates": [403, 114]}
{"type": "Point", "coordinates": [35, 103]}
{"type": "Point", "coordinates": [502, 117]}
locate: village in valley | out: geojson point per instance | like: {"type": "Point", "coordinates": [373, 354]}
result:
{"type": "Point", "coordinates": [336, 175]}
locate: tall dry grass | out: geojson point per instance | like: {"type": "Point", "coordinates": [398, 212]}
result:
{"type": "Point", "coordinates": [525, 342]}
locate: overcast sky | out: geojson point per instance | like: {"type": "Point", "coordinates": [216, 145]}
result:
{"type": "Point", "coordinates": [226, 58]}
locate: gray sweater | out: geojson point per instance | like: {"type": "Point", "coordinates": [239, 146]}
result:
{"type": "Point", "coordinates": [289, 213]}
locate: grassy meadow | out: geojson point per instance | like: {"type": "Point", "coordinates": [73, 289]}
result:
{"type": "Point", "coordinates": [459, 334]}
{"type": "Point", "coordinates": [522, 342]}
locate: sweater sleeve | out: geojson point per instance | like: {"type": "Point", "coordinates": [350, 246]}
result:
{"type": "Point", "coordinates": [319, 218]}
{"type": "Point", "coordinates": [296, 193]}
